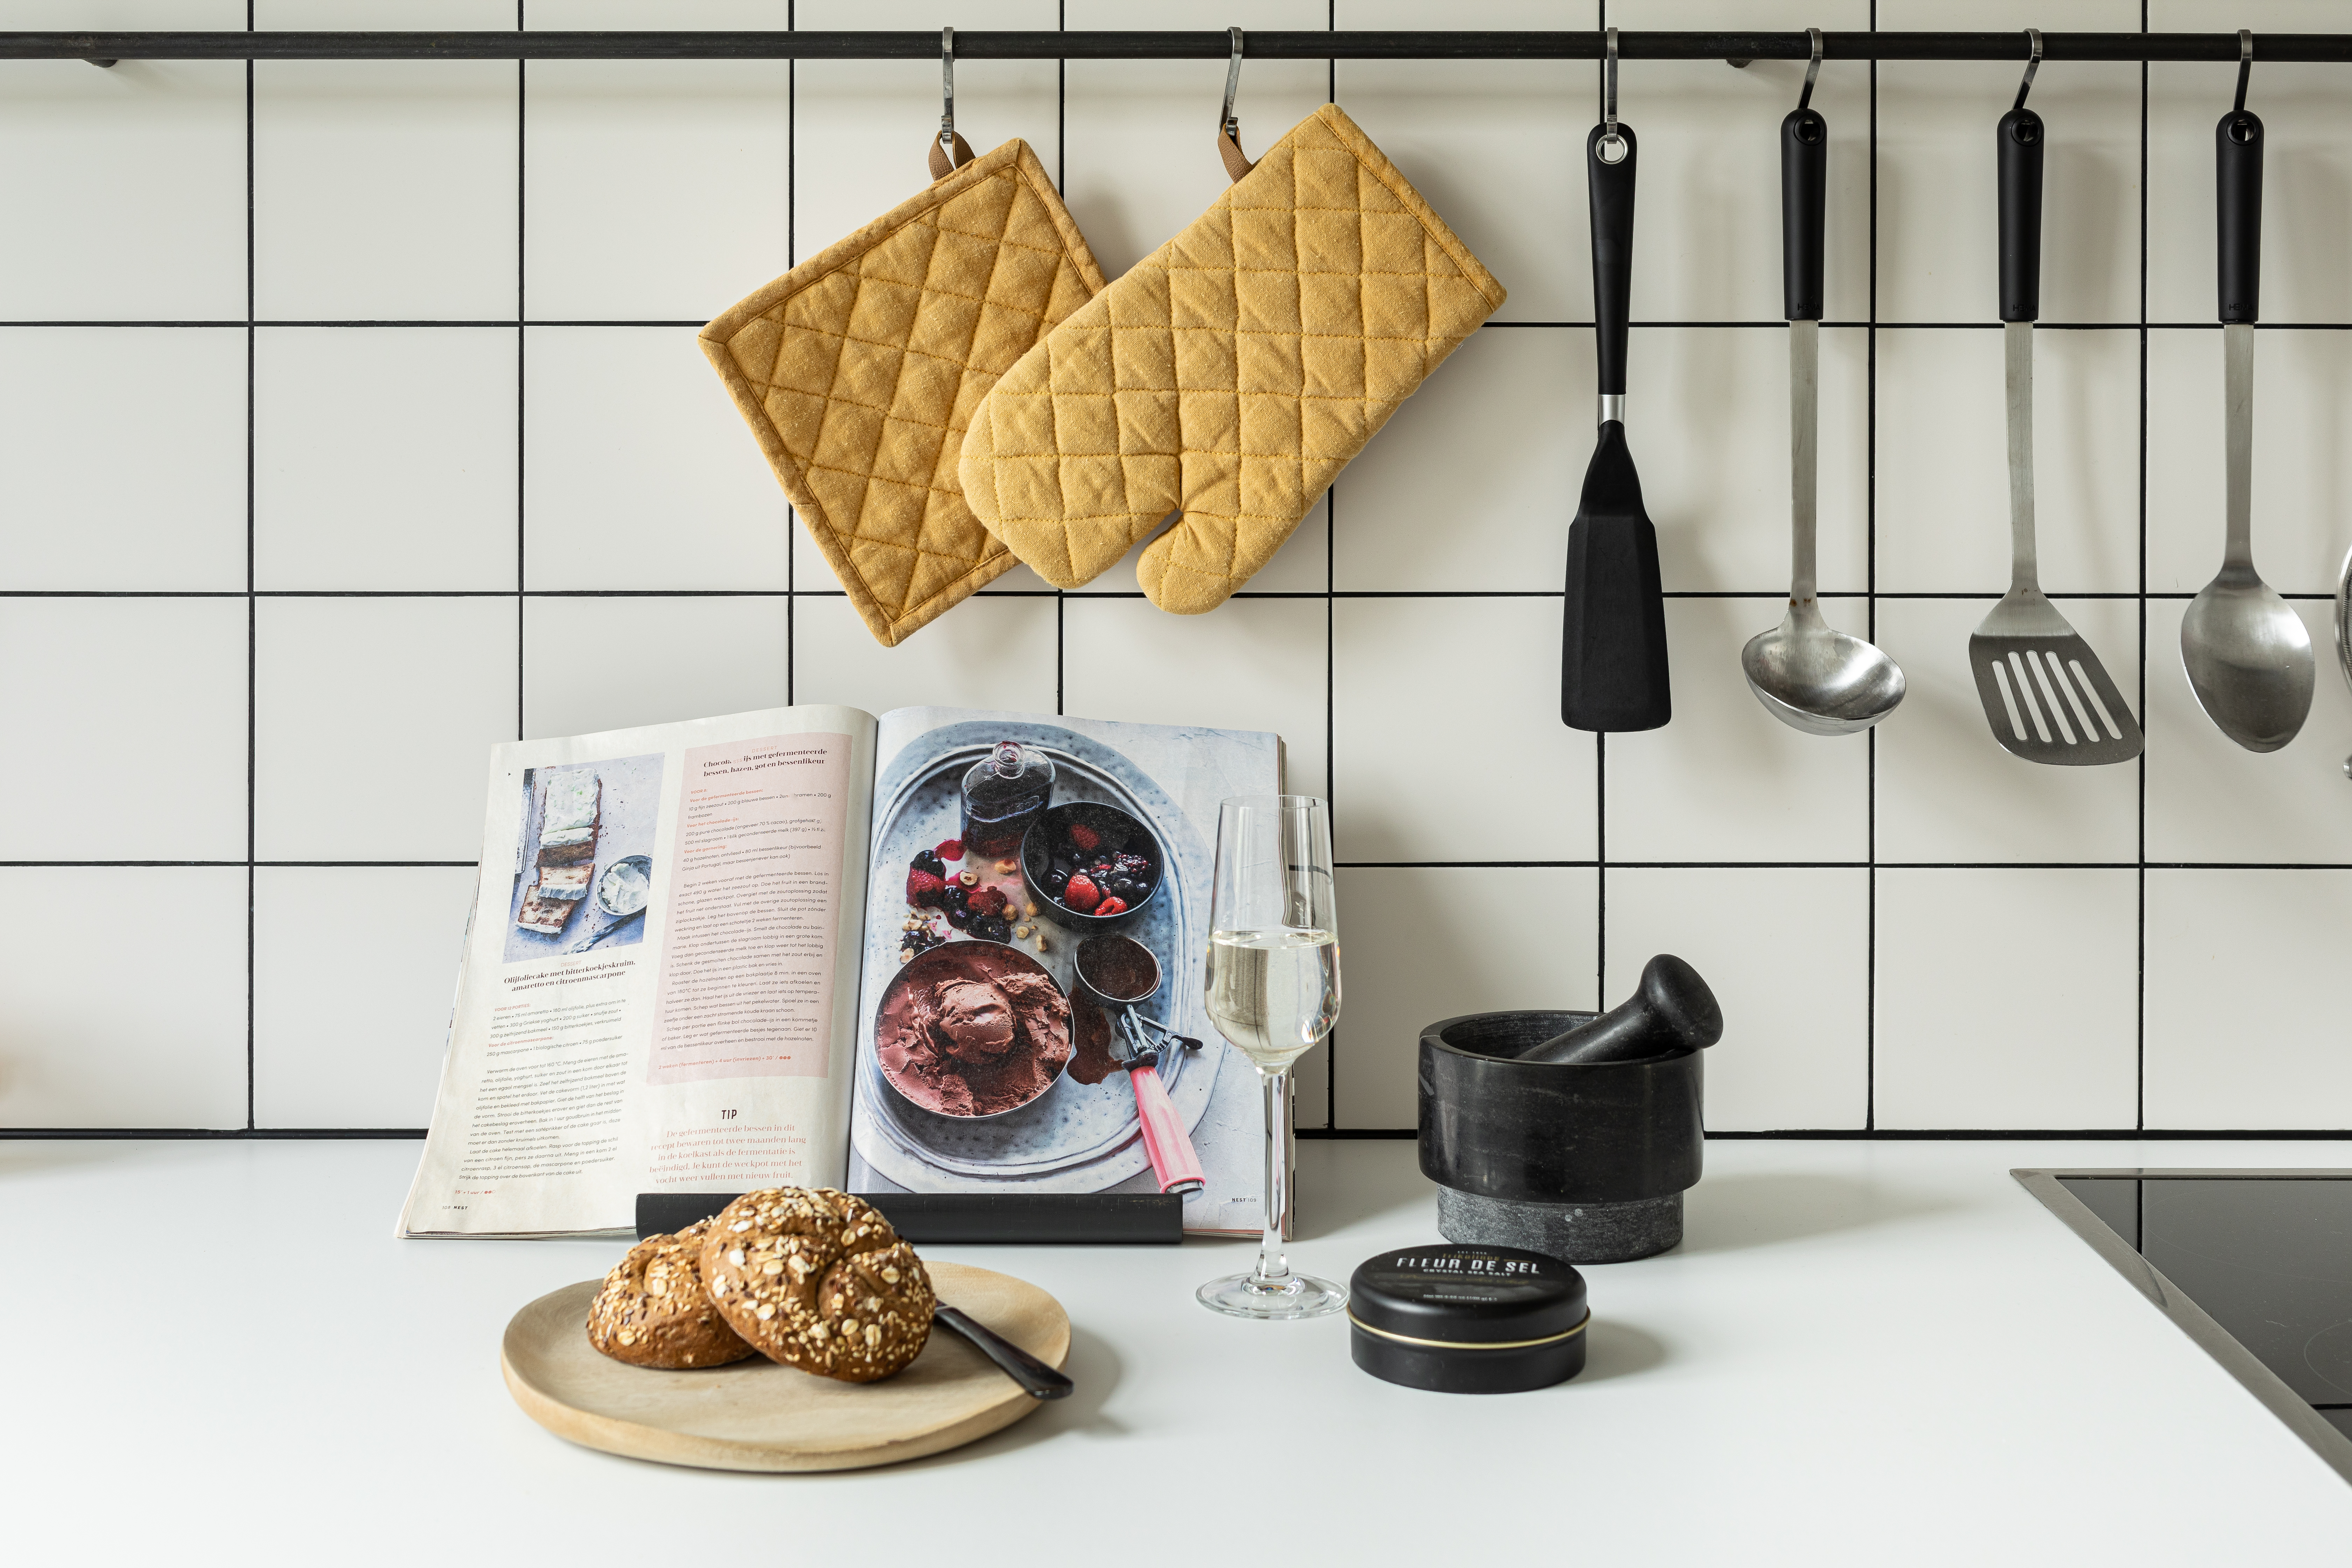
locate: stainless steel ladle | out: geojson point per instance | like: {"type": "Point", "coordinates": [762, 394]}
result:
{"type": "Point", "coordinates": [2245, 650]}
{"type": "Point", "coordinates": [1807, 673]}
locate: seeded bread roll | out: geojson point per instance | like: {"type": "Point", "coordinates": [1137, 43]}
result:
{"type": "Point", "coordinates": [653, 1310]}
{"type": "Point", "coordinates": [817, 1279]}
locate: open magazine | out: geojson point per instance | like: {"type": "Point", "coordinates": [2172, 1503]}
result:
{"type": "Point", "coordinates": [810, 947]}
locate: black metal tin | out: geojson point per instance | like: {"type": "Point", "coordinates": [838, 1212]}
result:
{"type": "Point", "coordinates": [1554, 1132]}
{"type": "Point", "coordinates": [1467, 1320]}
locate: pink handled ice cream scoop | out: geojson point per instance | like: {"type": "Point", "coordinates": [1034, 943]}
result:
{"type": "Point", "coordinates": [1118, 972]}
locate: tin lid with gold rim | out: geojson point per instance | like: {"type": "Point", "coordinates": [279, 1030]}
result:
{"type": "Point", "coordinates": [1466, 1295]}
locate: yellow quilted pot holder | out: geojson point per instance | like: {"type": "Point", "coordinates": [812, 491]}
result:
{"type": "Point", "coordinates": [859, 369]}
{"type": "Point", "coordinates": [1229, 377]}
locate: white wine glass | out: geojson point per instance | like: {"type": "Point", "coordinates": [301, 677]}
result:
{"type": "Point", "coordinates": [1274, 992]}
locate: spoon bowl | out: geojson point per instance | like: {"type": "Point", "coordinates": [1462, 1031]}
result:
{"type": "Point", "coordinates": [1814, 678]}
{"type": "Point", "coordinates": [2249, 659]}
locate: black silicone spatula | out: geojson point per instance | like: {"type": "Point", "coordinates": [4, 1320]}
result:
{"type": "Point", "coordinates": [1613, 665]}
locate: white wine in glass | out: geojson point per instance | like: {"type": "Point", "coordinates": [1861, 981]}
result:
{"type": "Point", "coordinates": [1274, 992]}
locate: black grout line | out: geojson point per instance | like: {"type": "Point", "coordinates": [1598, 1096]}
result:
{"type": "Point", "coordinates": [2139, 956]}
{"type": "Point", "coordinates": [792, 259]}
{"type": "Point", "coordinates": [1777, 595]}
{"type": "Point", "coordinates": [522, 389]}
{"type": "Point", "coordinates": [1870, 571]}
{"type": "Point", "coordinates": [252, 609]}
{"type": "Point", "coordinates": [1454, 865]}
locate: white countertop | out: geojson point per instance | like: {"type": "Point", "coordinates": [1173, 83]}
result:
{"type": "Point", "coordinates": [1862, 1353]}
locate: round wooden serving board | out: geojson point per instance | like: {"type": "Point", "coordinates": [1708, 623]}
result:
{"type": "Point", "coordinates": [758, 1415]}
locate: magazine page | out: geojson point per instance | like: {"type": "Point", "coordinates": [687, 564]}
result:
{"type": "Point", "coordinates": [660, 978]}
{"type": "Point", "coordinates": [983, 1065]}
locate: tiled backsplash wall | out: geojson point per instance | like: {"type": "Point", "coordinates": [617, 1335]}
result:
{"type": "Point", "coordinates": [351, 420]}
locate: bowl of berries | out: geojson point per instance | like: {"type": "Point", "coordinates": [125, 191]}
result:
{"type": "Point", "coordinates": [1092, 867]}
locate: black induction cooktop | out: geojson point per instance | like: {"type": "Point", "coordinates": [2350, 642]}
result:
{"type": "Point", "coordinates": [2255, 1266]}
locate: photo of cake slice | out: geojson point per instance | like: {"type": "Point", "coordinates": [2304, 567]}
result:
{"type": "Point", "coordinates": [568, 821]}
{"type": "Point", "coordinates": [568, 825]}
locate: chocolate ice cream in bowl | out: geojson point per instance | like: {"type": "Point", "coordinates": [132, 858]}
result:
{"type": "Point", "coordinates": [972, 1029]}
{"type": "Point", "coordinates": [1091, 867]}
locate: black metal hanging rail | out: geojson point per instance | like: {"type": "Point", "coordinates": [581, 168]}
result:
{"type": "Point", "coordinates": [1268, 46]}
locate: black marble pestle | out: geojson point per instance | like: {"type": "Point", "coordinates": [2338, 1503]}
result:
{"type": "Point", "coordinates": [1671, 1010]}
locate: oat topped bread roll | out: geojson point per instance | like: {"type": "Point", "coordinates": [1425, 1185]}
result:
{"type": "Point", "coordinates": [816, 1279]}
{"type": "Point", "coordinates": [653, 1310]}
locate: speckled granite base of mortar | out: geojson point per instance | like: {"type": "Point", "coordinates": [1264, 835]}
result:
{"type": "Point", "coordinates": [1573, 1233]}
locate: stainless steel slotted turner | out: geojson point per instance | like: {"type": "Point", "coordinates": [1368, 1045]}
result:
{"type": "Point", "coordinates": [2045, 693]}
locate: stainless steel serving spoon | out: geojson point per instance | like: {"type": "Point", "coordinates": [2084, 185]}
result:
{"type": "Point", "coordinates": [2245, 650]}
{"type": "Point", "coordinates": [1807, 673]}
{"type": "Point", "coordinates": [2344, 631]}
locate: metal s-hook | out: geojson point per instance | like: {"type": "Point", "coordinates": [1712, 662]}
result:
{"type": "Point", "coordinates": [1812, 71]}
{"type": "Point", "coordinates": [2245, 66]}
{"type": "Point", "coordinates": [947, 93]}
{"type": "Point", "coordinates": [1229, 128]}
{"type": "Point", "coordinates": [2032, 64]}
{"type": "Point", "coordinates": [1610, 149]}
{"type": "Point", "coordinates": [1226, 124]}
{"type": "Point", "coordinates": [950, 152]}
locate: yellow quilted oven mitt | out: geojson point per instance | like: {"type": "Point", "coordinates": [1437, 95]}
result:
{"type": "Point", "coordinates": [1227, 377]}
{"type": "Point", "coordinates": [859, 369]}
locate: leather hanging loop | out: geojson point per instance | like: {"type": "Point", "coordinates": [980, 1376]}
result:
{"type": "Point", "coordinates": [1229, 130]}
{"type": "Point", "coordinates": [950, 152]}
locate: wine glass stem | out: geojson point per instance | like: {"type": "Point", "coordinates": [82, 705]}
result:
{"type": "Point", "coordinates": [1272, 1268]}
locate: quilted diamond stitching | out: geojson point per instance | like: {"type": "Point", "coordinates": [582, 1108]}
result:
{"type": "Point", "coordinates": [859, 370]}
{"type": "Point", "coordinates": [1227, 377]}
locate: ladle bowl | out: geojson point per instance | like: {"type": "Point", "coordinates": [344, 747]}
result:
{"type": "Point", "coordinates": [1814, 678]}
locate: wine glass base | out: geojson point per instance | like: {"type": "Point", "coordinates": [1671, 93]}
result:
{"type": "Point", "coordinates": [1301, 1296]}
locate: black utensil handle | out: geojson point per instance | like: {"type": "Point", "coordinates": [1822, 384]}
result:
{"type": "Point", "coordinates": [1611, 186]}
{"type": "Point", "coordinates": [2238, 190]}
{"type": "Point", "coordinates": [1035, 1378]}
{"type": "Point", "coordinates": [1804, 205]}
{"type": "Point", "coordinates": [2022, 138]}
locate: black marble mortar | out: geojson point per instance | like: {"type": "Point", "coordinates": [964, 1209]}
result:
{"type": "Point", "coordinates": [1583, 1162]}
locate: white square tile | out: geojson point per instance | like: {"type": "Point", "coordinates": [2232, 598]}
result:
{"type": "Point", "coordinates": [1495, 147]}
{"type": "Point", "coordinates": [132, 715]}
{"type": "Point", "coordinates": [2209, 799]}
{"type": "Point", "coordinates": [340, 15]}
{"type": "Point", "coordinates": [1303, 564]}
{"type": "Point", "coordinates": [1943, 461]}
{"type": "Point", "coordinates": [373, 721]}
{"type": "Point", "coordinates": [2302, 432]}
{"type": "Point", "coordinates": [1139, 136]}
{"type": "Point", "coordinates": [639, 472]}
{"type": "Point", "coordinates": [1471, 482]}
{"type": "Point", "coordinates": [1726, 781]}
{"type": "Point", "coordinates": [566, 16]}
{"type": "Point", "coordinates": [1795, 1052]}
{"type": "Point", "coordinates": [2306, 164]}
{"type": "Point", "coordinates": [318, 1060]}
{"type": "Point", "coordinates": [1946, 791]}
{"type": "Point", "coordinates": [88, 503]}
{"type": "Point", "coordinates": [990, 651]}
{"type": "Point", "coordinates": [657, 188]}
{"type": "Point", "coordinates": [863, 128]}
{"type": "Point", "coordinates": [386, 190]}
{"type": "Point", "coordinates": [384, 457]}
{"type": "Point", "coordinates": [1708, 421]}
{"type": "Point", "coordinates": [86, 1049]}
{"type": "Point", "coordinates": [2007, 998]}
{"type": "Point", "coordinates": [1938, 231]}
{"type": "Point", "coordinates": [1250, 664]}
{"type": "Point", "coordinates": [1421, 943]}
{"type": "Point", "coordinates": [1446, 739]}
{"type": "Point", "coordinates": [125, 189]}
{"type": "Point", "coordinates": [678, 658]}
{"type": "Point", "coordinates": [2245, 999]}
{"type": "Point", "coordinates": [210, 15]}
